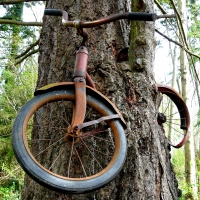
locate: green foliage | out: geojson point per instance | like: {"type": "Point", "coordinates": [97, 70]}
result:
{"type": "Point", "coordinates": [11, 175]}
{"type": "Point", "coordinates": [178, 161]}
{"type": "Point", "coordinates": [9, 193]}
{"type": "Point", "coordinates": [17, 88]}
{"type": "Point", "coordinates": [193, 31]}
{"type": "Point", "coordinates": [17, 84]}
{"type": "Point", "coordinates": [187, 192]}
{"type": "Point", "coordinates": [14, 39]}
{"type": "Point", "coordinates": [197, 125]}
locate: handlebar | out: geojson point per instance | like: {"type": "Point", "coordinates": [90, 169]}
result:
{"type": "Point", "coordinates": [139, 16]}
{"type": "Point", "coordinates": [81, 25]}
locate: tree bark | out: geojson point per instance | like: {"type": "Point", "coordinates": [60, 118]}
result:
{"type": "Point", "coordinates": [148, 172]}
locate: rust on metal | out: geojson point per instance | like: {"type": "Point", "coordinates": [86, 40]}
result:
{"type": "Point", "coordinates": [81, 62]}
{"type": "Point", "coordinates": [90, 81]}
{"type": "Point", "coordinates": [104, 20]}
{"type": "Point", "coordinates": [109, 117]}
{"type": "Point", "coordinates": [80, 104]}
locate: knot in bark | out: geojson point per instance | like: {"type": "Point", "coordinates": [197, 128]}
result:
{"type": "Point", "coordinates": [140, 40]}
{"type": "Point", "coordinates": [139, 64]}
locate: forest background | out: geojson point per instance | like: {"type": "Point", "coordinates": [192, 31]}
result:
{"type": "Point", "coordinates": [18, 75]}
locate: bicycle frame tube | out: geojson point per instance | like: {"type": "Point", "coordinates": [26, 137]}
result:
{"type": "Point", "coordinates": [80, 87]}
{"type": "Point", "coordinates": [81, 63]}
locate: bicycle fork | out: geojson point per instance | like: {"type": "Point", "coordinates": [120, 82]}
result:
{"type": "Point", "coordinates": [79, 79]}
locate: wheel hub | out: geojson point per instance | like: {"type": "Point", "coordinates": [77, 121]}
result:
{"type": "Point", "coordinates": [161, 118]}
{"type": "Point", "coordinates": [72, 135]}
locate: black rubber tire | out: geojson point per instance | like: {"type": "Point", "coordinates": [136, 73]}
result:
{"type": "Point", "coordinates": [55, 181]}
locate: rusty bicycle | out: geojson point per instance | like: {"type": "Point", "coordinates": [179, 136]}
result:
{"type": "Point", "coordinates": [70, 137]}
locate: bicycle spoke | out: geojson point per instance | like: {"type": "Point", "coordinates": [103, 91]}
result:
{"type": "Point", "coordinates": [167, 106]}
{"type": "Point", "coordinates": [81, 162]}
{"type": "Point", "coordinates": [87, 113]}
{"type": "Point", "coordinates": [94, 132]}
{"type": "Point", "coordinates": [50, 146]}
{"type": "Point", "coordinates": [178, 119]}
{"type": "Point", "coordinates": [175, 129]}
{"type": "Point", "coordinates": [64, 112]}
{"type": "Point", "coordinates": [47, 120]}
{"type": "Point", "coordinates": [91, 153]}
{"type": "Point", "coordinates": [103, 139]}
{"type": "Point", "coordinates": [172, 114]}
{"type": "Point", "coordinates": [70, 158]}
{"type": "Point", "coordinates": [175, 113]}
{"type": "Point", "coordinates": [98, 151]}
{"type": "Point", "coordinates": [57, 157]}
{"type": "Point", "coordinates": [172, 123]}
{"type": "Point", "coordinates": [36, 140]}
{"type": "Point", "coordinates": [51, 127]}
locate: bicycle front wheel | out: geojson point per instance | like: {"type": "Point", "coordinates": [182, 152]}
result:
{"type": "Point", "coordinates": [55, 159]}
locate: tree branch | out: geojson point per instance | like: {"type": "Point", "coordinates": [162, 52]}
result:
{"type": "Point", "coordinates": [180, 23]}
{"type": "Point", "coordinates": [26, 56]}
{"type": "Point", "coordinates": [27, 50]}
{"type": "Point", "coordinates": [16, 1]}
{"type": "Point", "coordinates": [160, 7]}
{"type": "Point", "coordinates": [6, 21]}
{"type": "Point", "coordinates": [177, 43]}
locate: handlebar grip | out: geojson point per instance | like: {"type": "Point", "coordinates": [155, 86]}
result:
{"type": "Point", "coordinates": [142, 16]}
{"type": "Point", "coordinates": [53, 12]}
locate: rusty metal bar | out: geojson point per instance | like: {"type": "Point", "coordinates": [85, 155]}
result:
{"type": "Point", "coordinates": [81, 62]}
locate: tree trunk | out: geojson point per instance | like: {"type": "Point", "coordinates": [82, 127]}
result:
{"type": "Point", "coordinates": [190, 168]}
{"type": "Point", "coordinates": [147, 173]}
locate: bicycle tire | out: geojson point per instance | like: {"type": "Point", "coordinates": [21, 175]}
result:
{"type": "Point", "coordinates": [181, 122]}
{"type": "Point", "coordinates": [36, 167]}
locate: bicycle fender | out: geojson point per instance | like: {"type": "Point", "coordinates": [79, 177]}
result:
{"type": "Point", "coordinates": [89, 90]}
